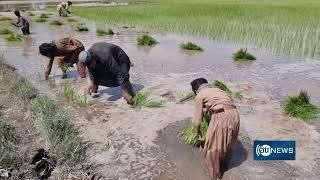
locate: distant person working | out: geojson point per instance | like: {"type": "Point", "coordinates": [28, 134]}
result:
{"type": "Point", "coordinates": [223, 127]}
{"type": "Point", "coordinates": [63, 8]}
{"type": "Point", "coordinates": [108, 66]}
{"type": "Point", "coordinates": [23, 23]}
{"type": "Point", "coordinates": [66, 52]}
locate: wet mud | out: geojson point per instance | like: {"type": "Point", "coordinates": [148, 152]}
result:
{"type": "Point", "coordinates": [132, 143]}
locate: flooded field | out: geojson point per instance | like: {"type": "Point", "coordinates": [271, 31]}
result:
{"type": "Point", "coordinates": [144, 143]}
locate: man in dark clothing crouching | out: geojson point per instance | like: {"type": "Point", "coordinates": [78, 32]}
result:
{"type": "Point", "coordinates": [108, 66]}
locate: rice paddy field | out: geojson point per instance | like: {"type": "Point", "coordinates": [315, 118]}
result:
{"type": "Point", "coordinates": [284, 26]}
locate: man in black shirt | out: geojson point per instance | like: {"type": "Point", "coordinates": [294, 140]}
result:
{"type": "Point", "coordinates": [109, 66]}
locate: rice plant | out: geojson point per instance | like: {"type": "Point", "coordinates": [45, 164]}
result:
{"type": "Point", "coordinates": [188, 134]}
{"type": "Point", "coordinates": [44, 16]}
{"type": "Point", "coordinates": [71, 96]}
{"type": "Point", "coordinates": [82, 28]}
{"type": "Point", "coordinates": [237, 95]}
{"type": "Point", "coordinates": [188, 97]}
{"type": "Point", "coordinates": [101, 32]}
{"type": "Point", "coordinates": [14, 37]}
{"type": "Point", "coordinates": [142, 100]}
{"type": "Point", "coordinates": [5, 31]}
{"type": "Point", "coordinates": [146, 40]}
{"type": "Point", "coordinates": [72, 20]}
{"type": "Point", "coordinates": [222, 86]}
{"type": "Point", "coordinates": [30, 13]}
{"type": "Point", "coordinates": [56, 23]}
{"type": "Point", "coordinates": [190, 46]}
{"type": "Point", "coordinates": [4, 18]}
{"type": "Point", "coordinates": [243, 55]}
{"type": "Point", "coordinates": [41, 20]}
{"type": "Point", "coordinates": [300, 107]}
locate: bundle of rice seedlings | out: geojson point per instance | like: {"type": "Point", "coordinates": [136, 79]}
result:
{"type": "Point", "coordinates": [14, 37]}
{"type": "Point", "coordinates": [142, 100]}
{"type": "Point", "coordinates": [191, 46]}
{"type": "Point", "coordinates": [188, 97]}
{"type": "Point", "coordinates": [101, 32]}
{"type": "Point", "coordinates": [146, 40]}
{"type": "Point", "coordinates": [41, 20]}
{"type": "Point", "coordinates": [300, 107]}
{"type": "Point", "coordinates": [30, 13]}
{"type": "Point", "coordinates": [189, 132]}
{"type": "Point", "coordinates": [44, 16]}
{"type": "Point", "coordinates": [222, 86]}
{"type": "Point", "coordinates": [82, 28]}
{"type": "Point", "coordinates": [56, 23]}
{"type": "Point", "coordinates": [237, 95]}
{"type": "Point", "coordinates": [5, 31]}
{"type": "Point", "coordinates": [243, 55]}
{"type": "Point", "coordinates": [72, 20]}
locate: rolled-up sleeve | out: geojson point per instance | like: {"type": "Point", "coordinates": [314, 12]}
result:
{"type": "Point", "coordinates": [198, 114]}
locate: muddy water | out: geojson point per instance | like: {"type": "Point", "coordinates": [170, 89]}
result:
{"type": "Point", "coordinates": [144, 143]}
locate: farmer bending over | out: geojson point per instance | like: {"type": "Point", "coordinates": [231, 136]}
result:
{"type": "Point", "coordinates": [66, 52]}
{"type": "Point", "coordinates": [23, 23]}
{"type": "Point", "coordinates": [223, 128]}
{"type": "Point", "coordinates": [109, 66]}
{"type": "Point", "coordinates": [63, 8]}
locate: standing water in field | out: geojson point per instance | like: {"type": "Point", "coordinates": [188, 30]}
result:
{"type": "Point", "coordinates": [143, 143]}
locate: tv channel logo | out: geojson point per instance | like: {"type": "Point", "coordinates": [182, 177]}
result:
{"type": "Point", "coordinates": [274, 150]}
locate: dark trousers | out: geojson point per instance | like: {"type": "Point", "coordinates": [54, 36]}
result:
{"type": "Point", "coordinates": [25, 30]}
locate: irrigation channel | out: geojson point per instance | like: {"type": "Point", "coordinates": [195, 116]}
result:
{"type": "Point", "coordinates": [143, 143]}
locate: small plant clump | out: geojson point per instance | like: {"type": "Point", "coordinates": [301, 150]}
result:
{"type": "Point", "coordinates": [14, 37]}
{"type": "Point", "coordinates": [146, 40]}
{"type": "Point", "coordinates": [191, 46]}
{"type": "Point", "coordinates": [82, 28]}
{"type": "Point", "coordinates": [142, 100]}
{"type": "Point", "coordinates": [30, 13]}
{"type": "Point", "coordinates": [101, 32]}
{"type": "Point", "coordinates": [70, 95]}
{"type": "Point", "coordinates": [300, 106]}
{"type": "Point", "coordinates": [243, 55]}
{"type": "Point", "coordinates": [4, 18]}
{"type": "Point", "coordinates": [237, 95]}
{"type": "Point", "coordinates": [188, 97]}
{"type": "Point", "coordinates": [72, 20]}
{"type": "Point", "coordinates": [189, 132]}
{"type": "Point", "coordinates": [5, 31]}
{"type": "Point", "coordinates": [44, 16]}
{"type": "Point", "coordinates": [41, 20]}
{"type": "Point", "coordinates": [56, 23]}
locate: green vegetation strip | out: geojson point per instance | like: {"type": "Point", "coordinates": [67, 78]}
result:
{"type": "Point", "coordinates": [82, 28]}
{"type": "Point", "coordinates": [101, 32]}
{"type": "Point", "coordinates": [56, 23]}
{"type": "Point", "coordinates": [300, 107]}
{"type": "Point", "coordinates": [142, 100]}
{"type": "Point", "coordinates": [4, 18]}
{"type": "Point", "coordinates": [54, 123]}
{"type": "Point", "coordinates": [11, 36]}
{"type": "Point", "coordinates": [41, 20]}
{"type": "Point", "coordinates": [287, 26]}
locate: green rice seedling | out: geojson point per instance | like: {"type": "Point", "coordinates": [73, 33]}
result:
{"type": "Point", "coordinates": [14, 37]}
{"type": "Point", "coordinates": [300, 107]}
{"type": "Point", "coordinates": [188, 97]}
{"type": "Point", "coordinates": [65, 68]}
{"type": "Point", "coordinates": [23, 89]}
{"type": "Point", "coordinates": [30, 13]}
{"type": "Point", "coordinates": [4, 18]}
{"type": "Point", "coordinates": [146, 40]}
{"type": "Point", "coordinates": [190, 46]}
{"type": "Point", "coordinates": [243, 55]}
{"type": "Point", "coordinates": [107, 146]}
{"type": "Point", "coordinates": [101, 32]}
{"type": "Point", "coordinates": [41, 20]}
{"type": "Point", "coordinates": [142, 100]}
{"type": "Point", "coordinates": [72, 20]}
{"type": "Point", "coordinates": [5, 31]}
{"type": "Point", "coordinates": [71, 96]}
{"type": "Point", "coordinates": [56, 23]}
{"type": "Point", "coordinates": [237, 95]}
{"type": "Point", "coordinates": [222, 86]}
{"type": "Point", "coordinates": [82, 28]}
{"type": "Point", "coordinates": [189, 132]}
{"type": "Point", "coordinates": [44, 16]}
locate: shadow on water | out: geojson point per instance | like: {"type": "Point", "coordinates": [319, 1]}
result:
{"type": "Point", "coordinates": [115, 92]}
{"type": "Point", "coordinates": [188, 158]}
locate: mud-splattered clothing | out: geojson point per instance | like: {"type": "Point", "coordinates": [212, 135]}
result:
{"type": "Point", "coordinates": [112, 65]}
{"type": "Point", "coordinates": [223, 128]}
{"type": "Point", "coordinates": [24, 24]}
{"type": "Point", "coordinates": [68, 52]}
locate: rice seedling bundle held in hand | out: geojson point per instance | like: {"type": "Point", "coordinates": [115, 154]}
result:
{"type": "Point", "coordinates": [188, 97]}
{"type": "Point", "coordinates": [189, 132]}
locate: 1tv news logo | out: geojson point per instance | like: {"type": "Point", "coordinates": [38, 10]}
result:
{"type": "Point", "coordinates": [274, 150]}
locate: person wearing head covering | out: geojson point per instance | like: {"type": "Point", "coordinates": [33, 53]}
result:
{"type": "Point", "coordinates": [23, 23]}
{"type": "Point", "coordinates": [109, 66]}
{"type": "Point", "coordinates": [223, 127]}
{"type": "Point", "coordinates": [66, 52]}
{"type": "Point", "coordinates": [63, 8]}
